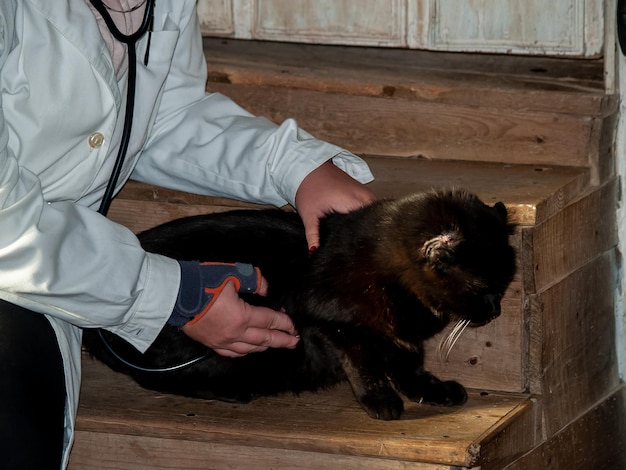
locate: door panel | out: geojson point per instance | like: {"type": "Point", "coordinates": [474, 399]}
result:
{"type": "Point", "coordinates": [369, 22]}
{"type": "Point", "coordinates": [543, 27]}
{"type": "Point", "coordinates": [563, 27]}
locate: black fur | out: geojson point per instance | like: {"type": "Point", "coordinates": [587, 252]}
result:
{"type": "Point", "coordinates": [384, 279]}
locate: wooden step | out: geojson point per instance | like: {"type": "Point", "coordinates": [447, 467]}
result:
{"type": "Point", "coordinates": [533, 194]}
{"type": "Point", "coordinates": [534, 133]}
{"type": "Point", "coordinates": [532, 110]}
{"type": "Point", "coordinates": [121, 425]}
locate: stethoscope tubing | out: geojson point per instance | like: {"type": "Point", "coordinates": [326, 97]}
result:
{"type": "Point", "coordinates": [131, 41]}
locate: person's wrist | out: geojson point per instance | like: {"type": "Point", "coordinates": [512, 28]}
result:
{"type": "Point", "coordinates": [201, 283]}
{"type": "Point", "coordinates": [190, 296]}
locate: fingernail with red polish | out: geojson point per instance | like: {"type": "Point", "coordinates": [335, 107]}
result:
{"type": "Point", "coordinates": [312, 250]}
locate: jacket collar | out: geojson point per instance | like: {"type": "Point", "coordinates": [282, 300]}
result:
{"type": "Point", "coordinates": [75, 21]}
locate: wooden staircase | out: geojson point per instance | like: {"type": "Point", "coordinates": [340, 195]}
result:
{"type": "Point", "coordinates": [534, 133]}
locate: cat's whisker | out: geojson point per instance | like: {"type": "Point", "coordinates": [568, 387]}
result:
{"type": "Point", "coordinates": [459, 333]}
{"type": "Point", "coordinates": [444, 344]}
{"type": "Point", "coordinates": [447, 343]}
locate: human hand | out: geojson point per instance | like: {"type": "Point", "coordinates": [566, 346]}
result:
{"type": "Point", "coordinates": [324, 190]}
{"type": "Point", "coordinates": [209, 310]}
{"type": "Point", "coordinates": [234, 328]}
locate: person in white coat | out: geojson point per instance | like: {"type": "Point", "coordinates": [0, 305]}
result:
{"type": "Point", "coordinates": [64, 266]}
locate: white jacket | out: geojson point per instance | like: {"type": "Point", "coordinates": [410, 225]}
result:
{"type": "Point", "coordinates": [59, 94]}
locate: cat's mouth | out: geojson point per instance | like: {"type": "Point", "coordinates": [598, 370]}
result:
{"type": "Point", "coordinates": [487, 312]}
{"type": "Point", "coordinates": [479, 323]}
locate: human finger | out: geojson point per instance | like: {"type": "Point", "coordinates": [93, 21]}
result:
{"type": "Point", "coordinates": [328, 189]}
{"type": "Point", "coordinates": [259, 340]}
{"type": "Point", "coordinates": [263, 286]}
{"type": "Point", "coordinates": [271, 320]}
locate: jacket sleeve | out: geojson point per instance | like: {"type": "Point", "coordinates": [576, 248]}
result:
{"type": "Point", "coordinates": [207, 144]}
{"type": "Point", "coordinates": [68, 261]}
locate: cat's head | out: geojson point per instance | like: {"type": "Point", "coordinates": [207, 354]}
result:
{"type": "Point", "coordinates": [461, 261]}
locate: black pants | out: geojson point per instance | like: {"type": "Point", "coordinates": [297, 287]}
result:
{"type": "Point", "coordinates": [32, 391]}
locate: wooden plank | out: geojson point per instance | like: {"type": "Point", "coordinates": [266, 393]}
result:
{"type": "Point", "coordinates": [410, 103]}
{"type": "Point", "coordinates": [368, 22]}
{"type": "Point", "coordinates": [490, 357]}
{"type": "Point", "coordinates": [531, 348]}
{"type": "Point", "coordinates": [400, 127]}
{"type": "Point", "coordinates": [573, 27]}
{"type": "Point", "coordinates": [533, 353]}
{"type": "Point", "coordinates": [574, 236]}
{"type": "Point", "coordinates": [602, 154]}
{"type": "Point", "coordinates": [596, 440]}
{"type": "Point", "coordinates": [140, 215]}
{"type": "Point", "coordinates": [102, 451]}
{"type": "Point", "coordinates": [329, 422]}
{"type": "Point", "coordinates": [517, 434]}
{"type": "Point", "coordinates": [532, 192]}
{"type": "Point", "coordinates": [578, 358]}
{"type": "Point", "coordinates": [515, 83]}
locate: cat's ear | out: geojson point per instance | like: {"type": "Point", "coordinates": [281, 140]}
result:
{"type": "Point", "coordinates": [440, 251]}
{"type": "Point", "coordinates": [501, 210]}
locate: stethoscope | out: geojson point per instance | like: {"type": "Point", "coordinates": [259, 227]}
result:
{"type": "Point", "coordinates": [130, 40]}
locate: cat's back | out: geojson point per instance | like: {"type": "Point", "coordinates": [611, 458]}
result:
{"type": "Point", "coordinates": [247, 236]}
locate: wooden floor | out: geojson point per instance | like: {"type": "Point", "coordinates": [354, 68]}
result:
{"type": "Point", "coordinates": [287, 427]}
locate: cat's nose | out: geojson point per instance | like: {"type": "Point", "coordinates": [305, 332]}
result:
{"type": "Point", "coordinates": [492, 302]}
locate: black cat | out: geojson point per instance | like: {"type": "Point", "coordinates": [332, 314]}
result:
{"type": "Point", "coordinates": [384, 279]}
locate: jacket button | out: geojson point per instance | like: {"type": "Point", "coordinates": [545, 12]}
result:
{"type": "Point", "coordinates": [95, 140]}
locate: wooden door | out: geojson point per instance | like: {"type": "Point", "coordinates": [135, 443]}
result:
{"type": "Point", "coordinates": [563, 27]}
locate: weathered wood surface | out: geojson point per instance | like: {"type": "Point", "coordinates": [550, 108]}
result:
{"type": "Point", "coordinates": [102, 451]}
{"type": "Point", "coordinates": [328, 423]}
{"type": "Point", "coordinates": [491, 357]}
{"type": "Point", "coordinates": [577, 349]}
{"type": "Point", "coordinates": [570, 306]}
{"type": "Point", "coordinates": [510, 441]}
{"type": "Point", "coordinates": [594, 441]}
{"type": "Point", "coordinates": [532, 192]}
{"type": "Point", "coordinates": [405, 128]}
{"type": "Point", "coordinates": [571, 27]}
{"type": "Point", "coordinates": [574, 236]}
{"type": "Point", "coordinates": [409, 103]}
{"type": "Point", "coordinates": [517, 83]}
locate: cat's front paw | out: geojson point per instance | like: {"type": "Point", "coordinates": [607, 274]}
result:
{"type": "Point", "coordinates": [382, 404]}
{"type": "Point", "coordinates": [448, 393]}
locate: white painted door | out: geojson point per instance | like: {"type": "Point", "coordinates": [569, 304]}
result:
{"type": "Point", "coordinates": [554, 27]}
